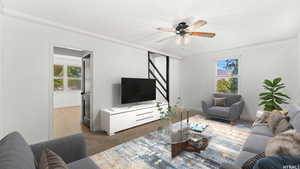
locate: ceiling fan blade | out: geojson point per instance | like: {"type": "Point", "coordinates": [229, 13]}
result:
{"type": "Point", "coordinates": [203, 34]}
{"type": "Point", "coordinates": [166, 29]}
{"type": "Point", "coordinates": [166, 38]}
{"type": "Point", "coordinates": [197, 25]}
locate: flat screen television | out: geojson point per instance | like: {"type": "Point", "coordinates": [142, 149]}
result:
{"type": "Point", "coordinates": [137, 90]}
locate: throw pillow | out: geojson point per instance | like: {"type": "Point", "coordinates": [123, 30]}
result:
{"type": "Point", "coordinates": [283, 112]}
{"type": "Point", "coordinates": [50, 160]}
{"type": "Point", "coordinates": [279, 123]}
{"type": "Point", "coordinates": [283, 126]}
{"type": "Point", "coordinates": [219, 101]}
{"type": "Point", "coordinates": [286, 144]}
{"type": "Point", "coordinates": [249, 164]}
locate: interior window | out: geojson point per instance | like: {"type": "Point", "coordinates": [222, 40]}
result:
{"type": "Point", "coordinates": [74, 77]}
{"type": "Point", "coordinates": [227, 76]}
{"type": "Point", "coordinates": [58, 78]}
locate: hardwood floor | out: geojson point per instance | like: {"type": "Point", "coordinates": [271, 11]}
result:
{"type": "Point", "coordinates": [100, 141]}
{"type": "Point", "coordinates": [67, 122]}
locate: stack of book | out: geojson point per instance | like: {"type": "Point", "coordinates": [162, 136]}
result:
{"type": "Point", "coordinates": [198, 127]}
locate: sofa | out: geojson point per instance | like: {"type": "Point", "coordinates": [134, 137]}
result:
{"type": "Point", "coordinates": [232, 110]}
{"type": "Point", "coordinates": [15, 153]}
{"type": "Point", "coordinates": [259, 137]}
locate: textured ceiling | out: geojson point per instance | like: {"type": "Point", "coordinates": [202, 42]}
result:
{"type": "Point", "coordinates": [236, 22]}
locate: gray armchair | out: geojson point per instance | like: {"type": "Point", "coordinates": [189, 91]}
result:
{"type": "Point", "coordinates": [232, 110]}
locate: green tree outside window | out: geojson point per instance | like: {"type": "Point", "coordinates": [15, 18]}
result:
{"type": "Point", "coordinates": [74, 71]}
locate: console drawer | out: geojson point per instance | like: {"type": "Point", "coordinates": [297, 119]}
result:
{"type": "Point", "coordinates": [145, 119]}
{"type": "Point", "coordinates": [121, 121]}
{"type": "Point", "coordinates": [114, 120]}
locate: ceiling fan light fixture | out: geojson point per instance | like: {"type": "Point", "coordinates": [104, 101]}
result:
{"type": "Point", "coordinates": [182, 40]}
{"type": "Point", "coordinates": [183, 30]}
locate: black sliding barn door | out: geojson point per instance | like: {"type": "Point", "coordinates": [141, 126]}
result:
{"type": "Point", "coordinates": [162, 85]}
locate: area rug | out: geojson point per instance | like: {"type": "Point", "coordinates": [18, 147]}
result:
{"type": "Point", "coordinates": [150, 152]}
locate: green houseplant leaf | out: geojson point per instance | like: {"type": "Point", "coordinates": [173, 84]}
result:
{"type": "Point", "coordinates": [268, 83]}
{"type": "Point", "coordinates": [277, 80]}
{"type": "Point", "coordinates": [272, 98]}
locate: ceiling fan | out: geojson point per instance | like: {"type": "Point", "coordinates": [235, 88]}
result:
{"type": "Point", "coordinates": [183, 30]}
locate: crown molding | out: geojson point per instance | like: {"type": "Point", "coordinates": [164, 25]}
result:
{"type": "Point", "coordinates": [38, 20]}
{"type": "Point", "coordinates": [246, 46]}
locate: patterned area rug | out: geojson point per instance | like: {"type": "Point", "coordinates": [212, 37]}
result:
{"type": "Point", "coordinates": [150, 152]}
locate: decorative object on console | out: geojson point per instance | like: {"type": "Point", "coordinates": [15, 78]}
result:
{"type": "Point", "coordinates": [273, 98]}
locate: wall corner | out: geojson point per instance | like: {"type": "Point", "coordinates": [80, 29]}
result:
{"type": "Point", "coordinates": [1, 72]}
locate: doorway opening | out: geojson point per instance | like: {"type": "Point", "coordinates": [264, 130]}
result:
{"type": "Point", "coordinates": [72, 87]}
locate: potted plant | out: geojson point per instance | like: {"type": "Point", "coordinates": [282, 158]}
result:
{"type": "Point", "coordinates": [170, 113]}
{"type": "Point", "coordinates": [272, 98]}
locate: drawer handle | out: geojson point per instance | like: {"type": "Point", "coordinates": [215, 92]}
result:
{"type": "Point", "coordinates": [144, 113]}
{"type": "Point", "coordinates": [145, 118]}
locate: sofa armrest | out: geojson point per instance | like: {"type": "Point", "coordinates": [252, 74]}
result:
{"type": "Point", "coordinates": [70, 148]}
{"type": "Point", "coordinates": [228, 166]}
{"type": "Point", "coordinates": [236, 110]}
{"type": "Point", "coordinates": [206, 105]}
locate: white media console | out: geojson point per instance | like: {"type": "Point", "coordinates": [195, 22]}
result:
{"type": "Point", "coordinates": [121, 118]}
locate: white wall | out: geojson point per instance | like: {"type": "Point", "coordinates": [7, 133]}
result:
{"type": "Point", "coordinates": [27, 68]}
{"type": "Point", "coordinates": [259, 62]}
{"type": "Point", "coordinates": [175, 79]}
{"type": "Point", "coordinates": [67, 98]}
{"type": "Point", "coordinates": [1, 73]}
{"type": "Point", "coordinates": [297, 101]}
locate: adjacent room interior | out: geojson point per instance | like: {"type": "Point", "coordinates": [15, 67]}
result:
{"type": "Point", "coordinates": [149, 84]}
{"type": "Point", "coordinates": [71, 91]}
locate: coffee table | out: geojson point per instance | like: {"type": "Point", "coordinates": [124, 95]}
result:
{"type": "Point", "coordinates": [181, 139]}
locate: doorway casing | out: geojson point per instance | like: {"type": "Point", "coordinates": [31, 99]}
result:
{"type": "Point", "coordinates": [51, 86]}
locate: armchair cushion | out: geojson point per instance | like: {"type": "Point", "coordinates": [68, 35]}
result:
{"type": "Point", "coordinates": [230, 98]}
{"type": "Point", "coordinates": [219, 111]}
{"type": "Point", "coordinates": [219, 101]}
